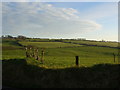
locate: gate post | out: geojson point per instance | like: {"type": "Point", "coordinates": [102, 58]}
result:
{"type": "Point", "coordinates": [77, 60]}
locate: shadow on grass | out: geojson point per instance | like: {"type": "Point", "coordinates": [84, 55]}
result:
{"type": "Point", "coordinates": [18, 74]}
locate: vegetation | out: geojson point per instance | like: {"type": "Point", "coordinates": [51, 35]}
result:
{"type": "Point", "coordinates": [97, 67]}
{"type": "Point", "coordinates": [49, 44]}
{"type": "Point", "coordinates": [17, 73]}
{"type": "Point", "coordinates": [94, 43]}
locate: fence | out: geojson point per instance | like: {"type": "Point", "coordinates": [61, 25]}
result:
{"type": "Point", "coordinates": [33, 52]}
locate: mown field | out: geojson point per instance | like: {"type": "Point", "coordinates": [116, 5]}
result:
{"type": "Point", "coordinates": [59, 59]}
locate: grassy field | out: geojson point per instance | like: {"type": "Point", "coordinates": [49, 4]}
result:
{"type": "Point", "coordinates": [49, 44]}
{"type": "Point", "coordinates": [58, 54]}
{"type": "Point", "coordinates": [98, 43]}
{"type": "Point", "coordinates": [59, 62]}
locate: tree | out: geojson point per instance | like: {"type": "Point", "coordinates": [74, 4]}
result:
{"type": "Point", "coordinates": [103, 40]}
{"type": "Point", "coordinates": [8, 36]}
{"type": "Point", "coordinates": [21, 37]}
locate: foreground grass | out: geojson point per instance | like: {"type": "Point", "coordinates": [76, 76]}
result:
{"type": "Point", "coordinates": [20, 73]}
{"type": "Point", "coordinates": [65, 57]}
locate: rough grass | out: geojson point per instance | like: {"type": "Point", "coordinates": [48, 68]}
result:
{"type": "Point", "coordinates": [18, 73]}
{"type": "Point", "coordinates": [10, 45]}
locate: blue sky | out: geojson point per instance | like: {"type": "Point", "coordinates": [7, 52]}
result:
{"type": "Point", "coordinates": [90, 20]}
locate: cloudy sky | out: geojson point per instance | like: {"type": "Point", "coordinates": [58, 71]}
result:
{"type": "Point", "coordinates": [90, 20]}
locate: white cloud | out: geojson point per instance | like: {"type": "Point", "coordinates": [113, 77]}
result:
{"type": "Point", "coordinates": [42, 19]}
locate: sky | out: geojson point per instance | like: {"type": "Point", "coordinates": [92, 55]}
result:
{"type": "Point", "coordinates": [90, 20]}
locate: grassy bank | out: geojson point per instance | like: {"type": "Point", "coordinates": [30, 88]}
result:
{"type": "Point", "coordinates": [17, 73]}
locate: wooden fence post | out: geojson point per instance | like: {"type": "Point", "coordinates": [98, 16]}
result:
{"type": "Point", "coordinates": [118, 57]}
{"type": "Point", "coordinates": [42, 55]}
{"type": "Point", "coordinates": [77, 60]}
{"type": "Point", "coordinates": [27, 54]}
{"type": "Point", "coordinates": [114, 56]}
{"type": "Point", "coordinates": [37, 54]}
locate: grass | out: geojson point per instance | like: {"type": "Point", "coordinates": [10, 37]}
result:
{"type": "Point", "coordinates": [21, 74]}
{"type": "Point", "coordinates": [49, 44]}
{"type": "Point", "coordinates": [10, 45]}
{"type": "Point", "coordinates": [97, 68]}
{"type": "Point", "coordinates": [64, 56]}
{"type": "Point", "coordinates": [13, 53]}
{"type": "Point", "coordinates": [98, 43]}
{"type": "Point", "coordinates": [12, 49]}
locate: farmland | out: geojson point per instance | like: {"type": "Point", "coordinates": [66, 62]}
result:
{"type": "Point", "coordinates": [59, 58]}
{"type": "Point", "coordinates": [49, 44]}
{"type": "Point", "coordinates": [59, 54]}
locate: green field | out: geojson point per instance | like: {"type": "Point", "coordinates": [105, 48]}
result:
{"type": "Point", "coordinates": [59, 54]}
{"type": "Point", "coordinates": [49, 44]}
{"type": "Point", "coordinates": [96, 65]}
{"type": "Point", "coordinates": [98, 43]}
